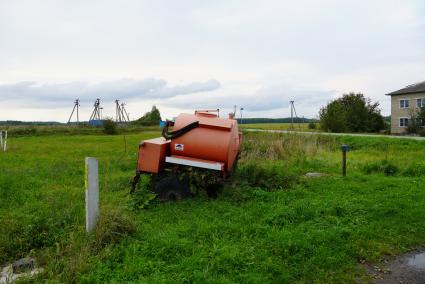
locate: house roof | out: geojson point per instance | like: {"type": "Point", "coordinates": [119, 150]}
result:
{"type": "Point", "coordinates": [411, 89]}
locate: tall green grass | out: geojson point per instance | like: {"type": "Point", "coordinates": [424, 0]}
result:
{"type": "Point", "coordinates": [269, 224]}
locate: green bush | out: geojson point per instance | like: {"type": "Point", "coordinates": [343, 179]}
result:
{"type": "Point", "coordinates": [110, 127]}
{"type": "Point", "coordinates": [312, 125]}
{"type": "Point", "coordinates": [152, 117]}
{"type": "Point", "coordinates": [351, 113]}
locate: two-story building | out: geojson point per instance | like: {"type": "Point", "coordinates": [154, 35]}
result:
{"type": "Point", "coordinates": [404, 103]}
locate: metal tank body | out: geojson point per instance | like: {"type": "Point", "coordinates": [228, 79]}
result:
{"type": "Point", "coordinates": [216, 139]}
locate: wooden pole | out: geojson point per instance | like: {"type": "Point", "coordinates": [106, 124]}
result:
{"type": "Point", "coordinates": [344, 160]}
{"type": "Point", "coordinates": [92, 193]}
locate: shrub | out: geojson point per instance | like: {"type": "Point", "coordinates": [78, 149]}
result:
{"type": "Point", "coordinates": [351, 113]}
{"type": "Point", "coordinates": [312, 125]}
{"type": "Point", "coordinates": [110, 127]}
{"type": "Point", "coordinates": [152, 117]}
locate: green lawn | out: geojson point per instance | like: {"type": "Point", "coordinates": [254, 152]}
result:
{"type": "Point", "coordinates": [269, 224]}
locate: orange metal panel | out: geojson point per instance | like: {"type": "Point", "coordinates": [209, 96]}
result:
{"type": "Point", "coordinates": [152, 154]}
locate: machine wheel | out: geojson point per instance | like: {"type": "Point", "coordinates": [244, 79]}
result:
{"type": "Point", "coordinates": [172, 189]}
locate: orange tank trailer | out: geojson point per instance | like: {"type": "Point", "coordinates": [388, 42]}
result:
{"type": "Point", "coordinates": [201, 140]}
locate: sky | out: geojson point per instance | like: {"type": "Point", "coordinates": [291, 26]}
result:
{"type": "Point", "coordinates": [187, 55]}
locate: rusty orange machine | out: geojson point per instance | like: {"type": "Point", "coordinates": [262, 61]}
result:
{"type": "Point", "coordinates": [200, 143]}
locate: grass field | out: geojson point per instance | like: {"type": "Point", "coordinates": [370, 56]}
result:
{"type": "Point", "coordinates": [281, 126]}
{"type": "Point", "coordinates": [269, 224]}
{"type": "Point", "coordinates": [26, 130]}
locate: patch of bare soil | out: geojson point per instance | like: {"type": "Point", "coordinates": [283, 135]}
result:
{"type": "Point", "coordinates": [407, 269]}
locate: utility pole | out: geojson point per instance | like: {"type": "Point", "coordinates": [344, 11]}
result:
{"type": "Point", "coordinates": [121, 115]}
{"type": "Point", "coordinates": [117, 112]}
{"type": "Point", "coordinates": [95, 115]}
{"type": "Point", "coordinates": [124, 112]}
{"type": "Point", "coordinates": [293, 111]}
{"type": "Point", "coordinates": [292, 114]}
{"type": "Point", "coordinates": [76, 106]}
{"type": "Point", "coordinates": [241, 109]}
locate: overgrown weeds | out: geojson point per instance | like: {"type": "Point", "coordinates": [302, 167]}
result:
{"type": "Point", "coordinates": [267, 176]}
{"type": "Point", "coordinates": [278, 146]}
{"type": "Point", "coordinates": [112, 225]}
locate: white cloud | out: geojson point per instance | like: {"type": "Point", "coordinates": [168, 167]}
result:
{"type": "Point", "coordinates": [263, 53]}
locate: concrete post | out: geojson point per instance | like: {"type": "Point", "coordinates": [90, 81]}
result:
{"type": "Point", "coordinates": [1, 139]}
{"type": "Point", "coordinates": [5, 141]}
{"type": "Point", "coordinates": [92, 193]}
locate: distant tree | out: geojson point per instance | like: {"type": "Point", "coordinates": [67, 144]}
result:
{"type": "Point", "coordinates": [416, 122]}
{"type": "Point", "coordinates": [152, 117]}
{"type": "Point", "coordinates": [421, 121]}
{"type": "Point", "coordinates": [351, 113]}
{"type": "Point", "coordinates": [312, 125]}
{"type": "Point", "coordinates": [109, 126]}
{"type": "Point", "coordinates": [333, 117]}
{"type": "Point", "coordinates": [421, 116]}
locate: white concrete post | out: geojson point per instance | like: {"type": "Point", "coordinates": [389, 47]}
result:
{"type": "Point", "coordinates": [5, 142]}
{"type": "Point", "coordinates": [92, 193]}
{"type": "Point", "coordinates": [1, 139]}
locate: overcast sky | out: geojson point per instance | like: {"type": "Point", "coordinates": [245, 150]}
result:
{"type": "Point", "coordinates": [183, 55]}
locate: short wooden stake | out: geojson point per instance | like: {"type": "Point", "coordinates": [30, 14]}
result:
{"type": "Point", "coordinates": [92, 193]}
{"type": "Point", "coordinates": [344, 149]}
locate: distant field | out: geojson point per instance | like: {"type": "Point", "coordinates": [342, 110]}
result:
{"type": "Point", "coordinates": [270, 223]}
{"type": "Point", "coordinates": [40, 130]}
{"type": "Point", "coordinates": [281, 126]}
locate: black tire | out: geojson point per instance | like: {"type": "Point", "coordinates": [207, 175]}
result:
{"type": "Point", "coordinates": [170, 188]}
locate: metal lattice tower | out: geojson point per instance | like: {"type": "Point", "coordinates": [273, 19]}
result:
{"type": "Point", "coordinates": [76, 106]}
{"type": "Point", "coordinates": [95, 115]}
{"type": "Point", "coordinates": [121, 115]}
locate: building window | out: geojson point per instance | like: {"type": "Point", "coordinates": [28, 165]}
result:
{"type": "Point", "coordinates": [420, 102]}
{"type": "Point", "coordinates": [403, 122]}
{"type": "Point", "coordinates": [404, 103]}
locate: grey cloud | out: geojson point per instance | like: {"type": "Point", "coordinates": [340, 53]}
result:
{"type": "Point", "coordinates": [265, 99]}
{"type": "Point", "coordinates": [124, 89]}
